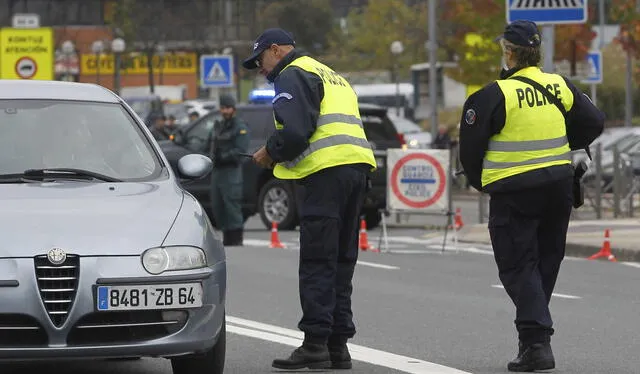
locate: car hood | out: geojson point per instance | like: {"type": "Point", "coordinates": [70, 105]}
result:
{"type": "Point", "coordinates": [88, 219]}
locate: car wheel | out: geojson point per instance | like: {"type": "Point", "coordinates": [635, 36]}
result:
{"type": "Point", "coordinates": [372, 218]}
{"type": "Point", "coordinates": [276, 203]}
{"type": "Point", "coordinates": [210, 362]}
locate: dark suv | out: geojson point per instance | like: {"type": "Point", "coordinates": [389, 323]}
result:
{"type": "Point", "coordinates": [264, 194]}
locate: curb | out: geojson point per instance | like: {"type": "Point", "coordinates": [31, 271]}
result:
{"type": "Point", "coordinates": [585, 250]}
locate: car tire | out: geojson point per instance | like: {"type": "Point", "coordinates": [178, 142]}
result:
{"type": "Point", "coordinates": [372, 218]}
{"type": "Point", "coordinates": [209, 362]}
{"type": "Point", "coordinates": [276, 202]}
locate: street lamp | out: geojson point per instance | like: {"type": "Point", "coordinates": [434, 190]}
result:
{"type": "Point", "coordinates": [117, 47]}
{"type": "Point", "coordinates": [396, 50]}
{"type": "Point", "coordinates": [97, 48]}
{"type": "Point", "coordinates": [160, 51]}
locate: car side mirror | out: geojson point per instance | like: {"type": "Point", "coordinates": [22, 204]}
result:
{"type": "Point", "coordinates": [194, 166]}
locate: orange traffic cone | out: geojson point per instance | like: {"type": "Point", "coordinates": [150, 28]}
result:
{"type": "Point", "coordinates": [364, 240]}
{"type": "Point", "coordinates": [605, 251]}
{"type": "Point", "coordinates": [458, 220]}
{"type": "Point", "coordinates": [275, 239]}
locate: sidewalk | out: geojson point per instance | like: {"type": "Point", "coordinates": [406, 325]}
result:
{"type": "Point", "coordinates": [584, 238]}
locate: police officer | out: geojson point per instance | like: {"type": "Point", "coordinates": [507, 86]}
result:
{"type": "Point", "coordinates": [319, 143]}
{"type": "Point", "coordinates": [515, 145]}
{"type": "Point", "coordinates": [229, 138]}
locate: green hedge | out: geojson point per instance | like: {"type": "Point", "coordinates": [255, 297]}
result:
{"type": "Point", "coordinates": [611, 100]}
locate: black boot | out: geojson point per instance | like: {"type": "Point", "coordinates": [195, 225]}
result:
{"type": "Point", "coordinates": [534, 357]}
{"type": "Point", "coordinates": [340, 357]}
{"type": "Point", "coordinates": [226, 237]}
{"type": "Point", "coordinates": [309, 355]}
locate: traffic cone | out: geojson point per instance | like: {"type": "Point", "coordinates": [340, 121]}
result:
{"type": "Point", "coordinates": [363, 239]}
{"type": "Point", "coordinates": [275, 239]}
{"type": "Point", "coordinates": [605, 251]}
{"type": "Point", "coordinates": [457, 221]}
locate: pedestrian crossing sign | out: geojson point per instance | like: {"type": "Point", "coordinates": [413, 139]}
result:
{"type": "Point", "coordinates": [548, 11]}
{"type": "Point", "coordinates": [216, 71]}
{"type": "Point", "coordinates": [594, 72]}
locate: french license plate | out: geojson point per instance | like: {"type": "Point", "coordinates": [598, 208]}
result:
{"type": "Point", "coordinates": [157, 296]}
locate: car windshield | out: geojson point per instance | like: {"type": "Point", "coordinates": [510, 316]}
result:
{"type": "Point", "coordinates": [141, 107]}
{"type": "Point", "coordinates": [96, 137]}
{"type": "Point", "coordinates": [404, 126]}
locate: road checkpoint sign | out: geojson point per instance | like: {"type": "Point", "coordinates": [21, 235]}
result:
{"type": "Point", "coordinates": [417, 180]}
{"type": "Point", "coordinates": [548, 11]}
{"type": "Point", "coordinates": [216, 71]}
{"type": "Point", "coordinates": [26, 53]}
{"type": "Point", "coordinates": [594, 62]}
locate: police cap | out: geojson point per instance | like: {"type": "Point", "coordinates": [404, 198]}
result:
{"type": "Point", "coordinates": [264, 41]}
{"type": "Point", "coordinates": [522, 33]}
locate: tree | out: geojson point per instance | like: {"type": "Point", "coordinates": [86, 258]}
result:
{"type": "Point", "coordinates": [310, 24]}
{"type": "Point", "coordinates": [487, 20]}
{"type": "Point", "coordinates": [628, 15]}
{"type": "Point", "coordinates": [364, 43]}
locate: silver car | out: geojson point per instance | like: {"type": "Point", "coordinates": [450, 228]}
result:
{"type": "Point", "coordinates": [103, 252]}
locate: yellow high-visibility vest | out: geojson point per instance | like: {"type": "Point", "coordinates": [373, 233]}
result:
{"type": "Point", "coordinates": [339, 138]}
{"type": "Point", "coordinates": [534, 134]}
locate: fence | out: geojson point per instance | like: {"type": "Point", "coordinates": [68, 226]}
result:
{"type": "Point", "coordinates": [612, 186]}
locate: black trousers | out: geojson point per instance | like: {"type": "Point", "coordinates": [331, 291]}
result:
{"type": "Point", "coordinates": [329, 203]}
{"type": "Point", "coordinates": [528, 232]}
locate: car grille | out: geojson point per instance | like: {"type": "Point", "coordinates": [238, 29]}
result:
{"type": "Point", "coordinates": [17, 330]}
{"type": "Point", "coordinates": [125, 327]}
{"type": "Point", "coordinates": [58, 285]}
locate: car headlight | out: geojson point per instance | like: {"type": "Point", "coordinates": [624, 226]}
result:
{"type": "Point", "coordinates": [161, 259]}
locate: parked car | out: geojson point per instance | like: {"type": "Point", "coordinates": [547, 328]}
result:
{"type": "Point", "coordinates": [410, 132]}
{"type": "Point", "coordinates": [104, 254]}
{"type": "Point", "coordinates": [263, 194]}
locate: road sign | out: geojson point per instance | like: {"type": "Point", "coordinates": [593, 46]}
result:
{"type": "Point", "coordinates": [26, 68]}
{"type": "Point", "coordinates": [26, 53]}
{"type": "Point", "coordinates": [417, 180]}
{"type": "Point", "coordinates": [216, 71]}
{"type": "Point", "coordinates": [594, 72]}
{"type": "Point", "coordinates": [548, 11]}
{"type": "Point", "coordinates": [25, 21]}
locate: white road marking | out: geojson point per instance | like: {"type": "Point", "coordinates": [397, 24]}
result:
{"type": "Point", "coordinates": [560, 295]}
{"type": "Point", "coordinates": [294, 338]}
{"type": "Point", "coordinates": [374, 265]}
{"type": "Point", "coordinates": [632, 264]}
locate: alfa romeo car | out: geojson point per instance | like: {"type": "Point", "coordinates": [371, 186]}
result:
{"type": "Point", "coordinates": [104, 254]}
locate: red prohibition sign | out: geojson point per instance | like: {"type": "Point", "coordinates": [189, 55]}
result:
{"type": "Point", "coordinates": [396, 189]}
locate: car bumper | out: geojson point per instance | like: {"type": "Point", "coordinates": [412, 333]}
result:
{"type": "Point", "coordinates": [27, 330]}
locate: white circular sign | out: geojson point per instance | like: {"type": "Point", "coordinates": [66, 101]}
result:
{"type": "Point", "coordinates": [26, 68]}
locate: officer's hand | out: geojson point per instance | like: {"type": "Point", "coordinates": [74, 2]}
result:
{"type": "Point", "coordinates": [262, 158]}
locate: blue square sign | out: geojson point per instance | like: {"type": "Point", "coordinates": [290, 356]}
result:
{"type": "Point", "coordinates": [594, 68]}
{"type": "Point", "coordinates": [216, 71]}
{"type": "Point", "coordinates": [548, 11]}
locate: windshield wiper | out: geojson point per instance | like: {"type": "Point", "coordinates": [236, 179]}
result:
{"type": "Point", "coordinates": [57, 173]}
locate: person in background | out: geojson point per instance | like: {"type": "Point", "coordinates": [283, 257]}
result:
{"type": "Point", "coordinates": [159, 129]}
{"type": "Point", "coordinates": [443, 140]}
{"type": "Point", "coordinates": [171, 123]}
{"type": "Point", "coordinates": [193, 116]}
{"type": "Point", "coordinates": [229, 139]}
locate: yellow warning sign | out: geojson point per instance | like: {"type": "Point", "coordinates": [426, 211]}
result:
{"type": "Point", "coordinates": [26, 53]}
{"type": "Point", "coordinates": [179, 63]}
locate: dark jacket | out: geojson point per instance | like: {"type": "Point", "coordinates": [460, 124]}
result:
{"type": "Point", "coordinates": [228, 139]}
{"type": "Point", "coordinates": [159, 134]}
{"type": "Point", "coordinates": [584, 123]}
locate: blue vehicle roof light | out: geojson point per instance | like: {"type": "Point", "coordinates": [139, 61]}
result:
{"type": "Point", "coordinates": [261, 95]}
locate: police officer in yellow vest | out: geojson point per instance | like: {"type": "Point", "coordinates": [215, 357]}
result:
{"type": "Point", "coordinates": [515, 145]}
{"type": "Point", "coordinates": [320, 144]}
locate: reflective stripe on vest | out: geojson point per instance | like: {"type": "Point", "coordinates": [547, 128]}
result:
{"type": "Point", "coordinates": [339, 137]}
{"type": "Point", "coordinates": [534, 135]}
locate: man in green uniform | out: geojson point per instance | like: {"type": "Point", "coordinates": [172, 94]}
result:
{"type": "Point", "coordinates": [229, 139]}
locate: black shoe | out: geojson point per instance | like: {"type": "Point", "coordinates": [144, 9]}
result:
{"type": "Point", "coordinates": [312, 356]}
{"type": "Point", "coordinates": [340, 357]}
{"type": "Point", "coordinates": [235, 237]}
{"type": "Point", "coordinates": [226, 237]}
{"type": "Point", "coordinates": [534, 357]}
